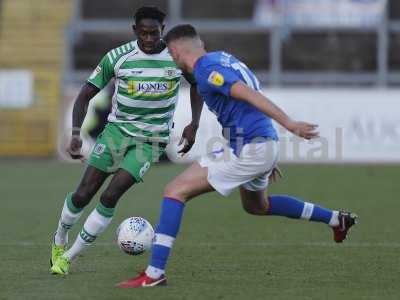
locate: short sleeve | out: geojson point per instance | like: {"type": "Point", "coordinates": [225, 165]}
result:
{"type": "Point", "coordinates": [103, 73]}
{"type": "Point", "coordinates": [219, 79]}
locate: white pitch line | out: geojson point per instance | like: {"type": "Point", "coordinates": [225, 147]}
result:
{"type": "Point", "coordinates": [234, 244]}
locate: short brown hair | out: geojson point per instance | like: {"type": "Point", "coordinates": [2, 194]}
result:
{"type": "Point", "coordinates": [179, 32]}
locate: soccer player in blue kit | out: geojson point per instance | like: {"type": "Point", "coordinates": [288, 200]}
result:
{"type": "Point", "coordinates": [232, 92]}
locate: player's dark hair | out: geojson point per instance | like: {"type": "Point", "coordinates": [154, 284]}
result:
{"type": "Point", "coordinates": [149, 12]}
{"type": "Point", "coordinates": [179, 32]}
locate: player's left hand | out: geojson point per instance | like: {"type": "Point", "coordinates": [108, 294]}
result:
{"type": "Point", "coordinates": [188, 138]}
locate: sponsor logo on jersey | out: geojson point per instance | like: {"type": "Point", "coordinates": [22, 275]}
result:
{"type": "Point", "coordinates": [95, 72]}
{"type": "Point", "coordinates": [152, 88]}
{"type": "Point", "coordinates": [136, 72]}
{"type": "Point", "coordinates": [216, 78]}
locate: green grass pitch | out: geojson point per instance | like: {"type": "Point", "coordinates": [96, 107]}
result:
{"type": "Point", "coordinates": [221, 253]}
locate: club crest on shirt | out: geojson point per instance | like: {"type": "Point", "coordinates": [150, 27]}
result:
{"type": "Point", "coordinates": [216, 78]}
{"type": "Point", "coordinates": [99, 149]}
{"type": "Point", "coordinates": [170, 72]}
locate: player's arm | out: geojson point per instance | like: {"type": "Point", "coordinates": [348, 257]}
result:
{"type": "Point", "coordinates": [196, 102]}
{"type": "Point", "coordinates": [241, 91]}
{"type": "Point", "coordinates": [97, 81]}
{"type": "Point", "coordinates": [87, 92]}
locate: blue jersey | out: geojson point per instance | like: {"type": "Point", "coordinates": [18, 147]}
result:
{"type": "Point", "coordinates": [242, 123]}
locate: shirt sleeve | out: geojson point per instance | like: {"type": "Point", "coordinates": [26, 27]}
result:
{"type": "Point", "coordinates": [219, 79]}
{"type": "Point", "coordinates": [103, 73]}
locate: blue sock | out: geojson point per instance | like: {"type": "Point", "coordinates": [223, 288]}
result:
{"type": "Point", "coordinates": [291, 207]}
{"type": "Point", "coordinates": [166, 231]}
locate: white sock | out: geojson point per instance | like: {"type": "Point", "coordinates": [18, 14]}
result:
{"type": "Point", "coordinates": [95, 224]}
{"type": "Point", "coordinates": [334, 219]}
{"type": "Point", "coordinates": [69, 216]}
{"type": "Point", "coordinates": [154, 272]}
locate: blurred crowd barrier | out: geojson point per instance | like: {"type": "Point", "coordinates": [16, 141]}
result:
{"type": "Point", "coordinates": [285, 41]}
{"type": "Point", "coordinates": [31, 58]}
{"type": "Point", "coordinates": [320, 13]}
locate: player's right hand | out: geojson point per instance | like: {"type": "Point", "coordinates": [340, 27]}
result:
{"type": "Point", "coordinates": [188, 138]}
{"type": "Point", "coordinates": [275, 174]}
{"type": "Point", "coordinates": [74, 148]}
{"type": "Point", "coordinates": [303, 129]}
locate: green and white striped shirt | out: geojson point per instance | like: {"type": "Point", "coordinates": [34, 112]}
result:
{"type": "Point", "coordinates": [146, 90]}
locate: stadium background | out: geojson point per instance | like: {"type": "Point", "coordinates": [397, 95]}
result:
{"type": "Point", "coordinates": [337, 64]}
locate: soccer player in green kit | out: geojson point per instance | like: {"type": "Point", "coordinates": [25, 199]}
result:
{"type": "Point", "coordinates": [146, 90]}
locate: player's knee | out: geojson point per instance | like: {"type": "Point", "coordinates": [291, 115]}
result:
{"type": "Point", "coordinates": [81, 198]}
{"type": "Point", "coordinates": [176, 190]}
{"type": "Point", "coordinates": [254, 210]}
{"type": "Point", "coordinates": [109, 198]}
{"type": "Point", "coordinates": [83, 194]}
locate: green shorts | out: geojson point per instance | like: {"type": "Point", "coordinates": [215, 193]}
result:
{"type": "Point", "coordinates": [115, 150]}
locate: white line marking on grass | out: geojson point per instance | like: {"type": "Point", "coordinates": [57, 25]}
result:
{"type": "Point", "coordinates": [235, 244]}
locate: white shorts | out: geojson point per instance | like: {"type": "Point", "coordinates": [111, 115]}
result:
{"type": "Point", "coordinates": [250, 170]}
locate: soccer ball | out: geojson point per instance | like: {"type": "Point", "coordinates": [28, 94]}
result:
{"type": "Point", "coordinates": [135, 235]}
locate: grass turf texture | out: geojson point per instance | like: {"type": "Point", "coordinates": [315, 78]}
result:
{"type": "Point", "coordinates": [221, 253]}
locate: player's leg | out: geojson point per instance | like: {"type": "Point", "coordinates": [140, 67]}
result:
{"type": "Point", "coordinates": [190, 183]}
{"type": "Point", "coordinates": [99, 167]}
{"type": "Point", "coordinates": [101, 216]}
{"type": "Point", "coordinates": [221, 171]}
{"type": "Point", "coordinates": [99, 164]}
{"type": "Point", "coordinates": [254, 202]}
{"type": "Point", "coordinates": [136, 160]}
{"type": "Point", "coordinates": [257, 203]}
{"type": "Point", "coordinates": [73, 206]}
{"type": "Point", "coordinates": [103, 161]}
